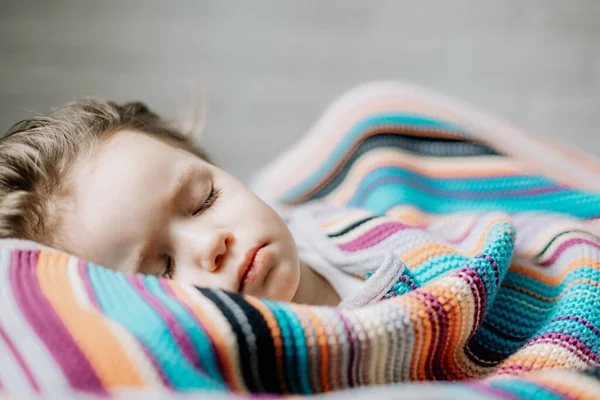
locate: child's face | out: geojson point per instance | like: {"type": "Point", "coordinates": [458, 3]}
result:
{"type": "Point", "coordinates": [142, 205]}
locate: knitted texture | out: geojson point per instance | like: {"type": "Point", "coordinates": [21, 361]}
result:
{"type": "Point", "coordinates": [501, 289]}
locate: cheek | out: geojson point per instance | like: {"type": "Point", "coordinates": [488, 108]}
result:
{"type": "Point", "coordinates": [200, 278]}
{"type": "Point", "coordinates": [282, 283]}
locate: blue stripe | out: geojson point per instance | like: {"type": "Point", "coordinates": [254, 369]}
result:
{"type": "Point", "coordinates": [199, 338]}
{"type": "Point", "coordinates": [353, 135]}
{"type": "Point", "coordinates": [525, 390]}
{"type": "Point", "coordinates": [295, 347]}
{"type": "Point", "coordinates": [124, 304]}
{"type": "Point", "coordinates": [385, 197]}
{"type": "Point", "coordinates": [452, 185]}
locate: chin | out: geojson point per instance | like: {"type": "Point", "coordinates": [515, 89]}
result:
{"type": "Point", "coordinates": [282, 283]}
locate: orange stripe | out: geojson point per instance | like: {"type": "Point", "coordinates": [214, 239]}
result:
{"type": "Point", "coordinates": [227, 365]}
{"type": "Point", "coordinates": [418, 314]}
{"type": "Point", "coordinates": [456, 321]}
{"type": "Point", "coordinates": [276, 335]}
{"type": "Point", "coordinates": [409, 215]}
{"type": "Point", "coordinates": [557, 279]}
{"type": "Point", "coordinates": [426, 166]}
{"type": "Point", "coordinates": [323, 351]}
{"type": "Point", "coordinates": [570, 388]}
{"type": "Point", "coordinates": [555, 298]}
{"type": "Point", "coordinates": [88, 327]}
{"type": "Point", "coordinates": [422, 253]}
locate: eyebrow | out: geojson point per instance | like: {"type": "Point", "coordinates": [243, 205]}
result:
{"type": "Point", "coordinates": [176, 190]}
{"type": "Point", "coordinates": [182, 181]}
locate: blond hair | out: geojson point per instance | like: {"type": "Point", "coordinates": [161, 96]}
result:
{"type": "Point", "coordinates": [37, 154]}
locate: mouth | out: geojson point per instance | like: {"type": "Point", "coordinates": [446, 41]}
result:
{"type": "Point", "coordinates": [247, 266]}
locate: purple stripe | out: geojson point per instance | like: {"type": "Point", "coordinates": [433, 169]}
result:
{"type": "Point", "coordinates": [477, 287]}
{"type": "Point", "coordinates": [514, 370]}
{"type": "Point", "coordinates": [580, 320]}
{"type": "Point", "coordinates": [494, 265]}
{"type": "Point", "coordinates": [408, 282]}
{"type": "Point", "coordinates": [351, 352]}
{"type": "Point", "coordinates": [568, 342]}
{"type": "Point", "coordinates": [440, 330]}
{"type": "Point", "coordinates": [48, 326]}
{"type": "Point", "coordinates": [179, 335]}
{"type": "Point", "coordinates": [85, 277]}
{"type": "Point", "coordinates": [452, 194]}
{"type": "Point", "coordinates": [372, 237]}
{"type": "Point", "coordinates": [564, 246]}
{"type": "Point", "coordinates": [32, 382]}
{"type": "Point", "coordinates": [169, 291]}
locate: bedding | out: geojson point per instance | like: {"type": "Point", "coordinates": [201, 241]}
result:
{"type": "Point", "coordinates": [497, 295]}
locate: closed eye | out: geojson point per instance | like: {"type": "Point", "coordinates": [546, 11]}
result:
{"type": "Point", "coordinates": [169, 270]}
{"type": "Point", "coordinates": [210, 200]}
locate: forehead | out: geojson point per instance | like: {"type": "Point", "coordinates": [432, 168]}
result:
{"type": "Point", "coordinates": [117, 196]}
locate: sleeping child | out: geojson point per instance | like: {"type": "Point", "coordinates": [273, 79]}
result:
{"type": "Point", "coordinates": [405, 237]}
{"type": "Point", "coordinates": [119, 186]}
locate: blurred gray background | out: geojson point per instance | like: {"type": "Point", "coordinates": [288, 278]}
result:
{"type": "Point", "coordinates": [271, 67]}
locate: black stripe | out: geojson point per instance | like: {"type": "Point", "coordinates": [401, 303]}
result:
{"type": "Point", "coordinates": [541, 253]}
{"type": "Point", "coordinates": [431, 146]}
{"type": "Point", "coordinates": [353, 226]}
{"type": "Point", "coordinates": [423, 146]}
{"type": "Point", "coordinates": [594, 372]}
{"type": "Point", "coordinates": [244, 353]}
{"type": "Point", "coordinates": [267, 367]}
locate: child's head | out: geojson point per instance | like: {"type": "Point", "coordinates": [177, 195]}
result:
{"type": "Point", "coordinates": [119, 186]}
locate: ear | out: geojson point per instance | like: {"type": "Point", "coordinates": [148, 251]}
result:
{"type": "Point", "coordinates": [192, 120]}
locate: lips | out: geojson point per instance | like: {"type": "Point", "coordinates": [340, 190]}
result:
{"type": "Point", "coordinates": [246, 266]}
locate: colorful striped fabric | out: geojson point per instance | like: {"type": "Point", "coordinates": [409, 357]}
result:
{"type": "Point", "coordinates": [501, 291]}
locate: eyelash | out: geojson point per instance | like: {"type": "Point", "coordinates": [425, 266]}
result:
{"type": "Point", "coordinates": [210, 200]}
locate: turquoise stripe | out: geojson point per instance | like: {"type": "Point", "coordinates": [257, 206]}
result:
{"type": "Point", "coordinates": [124, 304]}
{"type": "Point", "coordinates": [524, 319]}
{"type": "Point", "coordinates": [544, 289]}
{"type": "Point", "coordinates": [525, 390]}
{"type": "Point", "coordinates": [295, 344]}
{"type": "Point", "coordinates": [352, 136]}
{"type": "Point", "coordinates": [200, 340]}
{"type": "Point", "coordinates": [385, 197]}
{"type": "Point", "coordinates": [458, 185]}
{"type": "Point", "coordinates": [438, 265]}
{"type": "Point", "coordinates": [492, 342]}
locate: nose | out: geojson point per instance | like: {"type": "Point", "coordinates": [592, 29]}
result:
{"type": "Point", "coordinates": [206, 248]}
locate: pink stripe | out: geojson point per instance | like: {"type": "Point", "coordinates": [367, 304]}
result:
{"type": "Point", "coordinates": [168, 290]}
{"type": "Point", "coordinates": [178, 334]}
{"type": "Point", "coordinates": [467, 232]}
{"type": "Point", "coordinates": [372, 237]}
{"type": "Point", "coordinates": [489, 390]}
{"type": "Point", "coordinates": [20, 360]}
{"type": "Point", "coordinates": [581, 321]}
{"type": "Point", "coordinates": [351, 335]}
{"type": "Point", "coordinates": [85, 277]}
{"type": "Point", "coordinates": [563, 247]}
{"type": "Point", "coordinates": [569, 342]}
{"type": "Point", "coordinates": [48, 326]}
{"type": "Point", "coordinates": [475, 282]}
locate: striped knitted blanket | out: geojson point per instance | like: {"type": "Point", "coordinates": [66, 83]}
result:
{"type": "Point", "coordinates": [498, 293]}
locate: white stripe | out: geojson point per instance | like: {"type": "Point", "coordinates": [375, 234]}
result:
{"type": "Point", "coordinates": [32, 349]}
{"type": "Point", "coordinates": [12, 375]}
{"type": "Point", "coordinates": [130, 346]}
